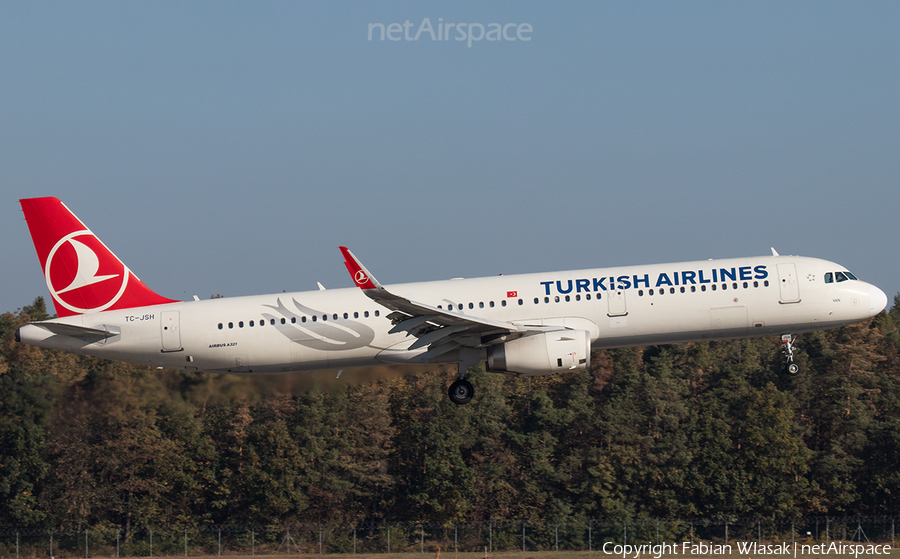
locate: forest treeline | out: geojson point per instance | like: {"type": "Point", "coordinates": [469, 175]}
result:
{"type": "Point", "coordinates": [713, 430]}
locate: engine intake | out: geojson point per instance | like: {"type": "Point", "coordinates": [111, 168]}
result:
{"type": "Point", "coordinates": [546, 353]}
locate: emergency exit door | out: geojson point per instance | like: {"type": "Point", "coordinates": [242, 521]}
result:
{"type": "Point", "coordinates": [616, 301]}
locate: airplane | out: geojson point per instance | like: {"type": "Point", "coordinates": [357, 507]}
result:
{"type": "Point", "coordinates": [527, 324]}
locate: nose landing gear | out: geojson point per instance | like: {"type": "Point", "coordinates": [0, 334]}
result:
{"type": "Point", "coordinates": [787, 348]}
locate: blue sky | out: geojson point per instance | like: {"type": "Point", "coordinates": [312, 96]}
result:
{"type": "Point", "coordinates": [230, 147]}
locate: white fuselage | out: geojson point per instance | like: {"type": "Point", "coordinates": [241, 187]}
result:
{"type": "Point", "coordinates": [342, 328]}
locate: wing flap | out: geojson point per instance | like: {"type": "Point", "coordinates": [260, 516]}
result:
{"type": "Point", "coordinates": [410, 323]}
{"type": "Point", "coordinates": [436, 335]}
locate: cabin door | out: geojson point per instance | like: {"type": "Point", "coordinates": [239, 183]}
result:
{"type": "Point", "coordinates": [170, 329]}
{"type": "Point", "coordinates": [788, 283]}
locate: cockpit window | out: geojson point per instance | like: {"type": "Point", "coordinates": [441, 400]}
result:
{"type": "Point", "coordinates": [851, 276]}
{"type": "Point", "coordinates": [839, 276]}
{"type": "Point", "coordinates": [829, 277]}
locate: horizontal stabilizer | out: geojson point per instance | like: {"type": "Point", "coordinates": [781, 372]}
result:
{"type": "Point", "coordinates": [79, 332]}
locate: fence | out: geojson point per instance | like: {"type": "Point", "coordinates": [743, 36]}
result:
{"type": "Point", "coordinates": [399, 537]}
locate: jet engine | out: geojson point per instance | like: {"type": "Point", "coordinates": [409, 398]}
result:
{"type": "Point", "coordinates": [546, 353]}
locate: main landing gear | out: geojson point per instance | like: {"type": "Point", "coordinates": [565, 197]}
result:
{"type": "Point", "coordinates": [787, 347]}
{"type": "Point", "coordinates": [461, 392]}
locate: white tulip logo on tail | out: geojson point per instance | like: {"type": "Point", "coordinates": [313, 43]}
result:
{"type": "Point", "coordinates": [74, 265]}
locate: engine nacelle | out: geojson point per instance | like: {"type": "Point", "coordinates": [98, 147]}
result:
{"type": "Point", "coordinates": [546, 353]}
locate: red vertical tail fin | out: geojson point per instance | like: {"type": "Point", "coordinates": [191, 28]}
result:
{"type": "Point", "coordinates": [82, 275]}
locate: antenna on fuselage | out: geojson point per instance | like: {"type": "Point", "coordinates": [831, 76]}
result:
{"type": "Point", "coordinates": [774, 252]}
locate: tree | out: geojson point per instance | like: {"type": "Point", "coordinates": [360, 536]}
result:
{"type": "Point", "coordinates": [111, 462]}
{"type": "Point", "coordinates": [24, 408]}
{"type": "Point", "coordinates": [434, 481]}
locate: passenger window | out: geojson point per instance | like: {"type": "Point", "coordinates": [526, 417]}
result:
{"type": "Point", "coordinates": [230, 325]}
{"type": "Point", "coordinates": [766, 283]}
{"type": "Point", "coordinates": [546, 299]}
{"type": "Point", "coordinates": [220, 326]}
{"type": "Point", "coordinates": [334, 316]}
{"type": "Point", "coordinates": [578, 297]}
{"type": "Point", "coordinates": [745, 285]}
{"type": "Point", "coordinates": [755, 284]}
{"type": "Point", "coordinates": [567, 299]}
{"type": "Point", "coordinates": [724, 286]}
{"type": "Point", "coordinates": [240, 324]}
{"type": "Point", "coordinates": [251, 324]}
{"type": "Point", "coordinates": [303, 320]}
{"type": "Point", "coordinates": [536, 300]}
{"type": "Point", "coordinates": [556, 299]}
{"type": "Point", "coordinates": [471, 306]}
{"type": "Point", "coordinates": [377, 313]}
{"type": "Point", "coordinates": [450, 307]}
{"type": "Point", "coordinates": [713, 287]}
{"type": "Point", "coordinates": [314, 318]}
{"type": "Point", "coordinates": [734, 285]}
{"type": "Point", "coordinates": [481, 304]}
{"type": "Point", "coordinates": [650, 292]}
{"type": "Point", "coordinates": [682, 289]}
{"type": "Point", "coordinates": [693, 289]}
{"type": "Point", "coordinates": [702, 288]}
{"type": "Point", "coordinates": [671, 290]}
{"type": "Point", "coordinates": [366, 314]}
{"type": "Point", "coordinates": [491, 304]}
{"type": "Point", "coordinates": [346, 316]}
{"type": "Point", "coordinates": [640, 292]}
{"type": "Point", "coordinates": [587, 296]}
{"type": "Point", "coordinates": [283, 321]}
{"type": "Point", "coordinates": [839, 277]}
{"type": "Point", "coordinates": [522, 302]}
{"type": "Point", "coordinates": [503, 303]}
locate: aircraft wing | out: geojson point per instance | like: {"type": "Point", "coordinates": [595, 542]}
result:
{"type": "Point", "coordinates": [439, 329]}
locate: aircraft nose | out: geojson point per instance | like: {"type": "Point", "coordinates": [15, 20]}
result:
{"type": "Point", "coordinates": [877, 300]}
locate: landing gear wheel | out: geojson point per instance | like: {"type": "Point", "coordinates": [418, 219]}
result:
{"type": "Point", "coordinates": [461, 392]}
{"type": "Point", "coordinates": [787, 348]}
